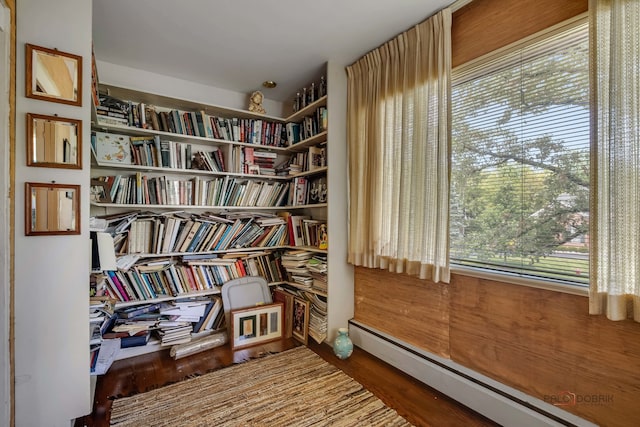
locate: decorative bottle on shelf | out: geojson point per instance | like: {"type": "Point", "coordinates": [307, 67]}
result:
{"type": "Point", "coordinates": [296, 102]}
{"type": "Point", "coordinates": [303, 98]}
{"type": "Point", "coordinates": [342, 345]}
{"type": "Point", "coordinates": [322, 88]}
{"type": "Point", "coordinates": [312, 94]}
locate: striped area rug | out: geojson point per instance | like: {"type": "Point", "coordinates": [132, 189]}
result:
{"type": "Point", "coordinates": [293, 388]}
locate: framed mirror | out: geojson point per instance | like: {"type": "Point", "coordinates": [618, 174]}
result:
{"type": "Point", "coordinates": [54, 142]}
{"type": "Point", "coordinates": [51, 209]}
{"type": "Point", "coordinates": [53, 75]}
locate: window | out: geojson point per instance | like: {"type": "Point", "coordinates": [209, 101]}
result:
{"type": "Point", "coordinates": [520, 160]}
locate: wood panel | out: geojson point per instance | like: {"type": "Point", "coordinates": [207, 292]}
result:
{"type": "Point", "coordinates": [413, 310]}
{"type": "Point", "coordinates": [545, 343]}
{"type": "Point", "coordinates": [541, 342]}
{"type": "Point", "coordinates": [483, 26]}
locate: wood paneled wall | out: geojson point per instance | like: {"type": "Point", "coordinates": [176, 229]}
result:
{"type": "Point", "coordinates": [395, 304]}
{"type": "Point", "coordinates": [483, 26]}
{"type": "Point", "coordinates": [541, 342]}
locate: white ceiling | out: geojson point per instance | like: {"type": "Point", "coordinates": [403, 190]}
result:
{"type": "Point", "coordinates": [237, 44]}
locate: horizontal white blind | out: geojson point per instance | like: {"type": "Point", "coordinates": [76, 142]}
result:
{"type": "Point", "coordinates": [520, 160]}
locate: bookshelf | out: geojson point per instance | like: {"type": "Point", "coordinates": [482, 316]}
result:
{"type": "Point", "coordinates": [263, 177]}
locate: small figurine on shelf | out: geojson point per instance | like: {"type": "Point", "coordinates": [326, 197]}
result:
{"type": "Point", "coordinates": [255, 103]}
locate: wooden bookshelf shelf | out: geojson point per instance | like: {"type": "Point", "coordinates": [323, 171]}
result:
{"type": "Point", "coordinates": [176, 171]}
{"type": "Point", "coordinates": [307, 111]}
{"type": "Point", "coordinates": [183, 104]}
{"type": "Point", "coordinates": [305, 144]}
{"type": "Point", "coordinates": [319, 171]}
{"type": "Point", "coordinates": [307, 289]}
{"type": "Point", "coordinates": [135, 131]}
{"type": "Point", "coordinates": [226, 251]}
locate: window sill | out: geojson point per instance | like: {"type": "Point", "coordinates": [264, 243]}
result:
{"type": "Point", "coordinates": [514, 279]}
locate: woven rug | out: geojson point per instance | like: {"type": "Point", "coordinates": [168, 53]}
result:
{"type": "Point", "coordinates": [293, 388]}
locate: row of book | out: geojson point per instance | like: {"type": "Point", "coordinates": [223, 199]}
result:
{"type": "Point", "coordinates": [150, 279]}
{"type": "Point", "coordinates": [306, 190]}
{"type": "Point", "coordinates": [142, 189]}
{"type": "Point", "coordinates": [161, 234]}
{"type": "Point", "coordinates": [309, 126]}
{"type": "Point", "coordinates": [194, 123]}
{"type": "Point", "coordinates": [112, 148]}
{"type": "Point", "coordinates": [182, 232]}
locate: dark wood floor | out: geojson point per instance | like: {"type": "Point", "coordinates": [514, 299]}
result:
{"type": "Point", "coordinates": [419, 404]}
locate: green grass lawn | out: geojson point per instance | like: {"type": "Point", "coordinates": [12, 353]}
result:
{"type": "Point", "coordinates": [575, 270]}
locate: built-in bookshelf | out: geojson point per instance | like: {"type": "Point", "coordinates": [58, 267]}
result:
{"type": "Point", "coordinates": [195, 195]}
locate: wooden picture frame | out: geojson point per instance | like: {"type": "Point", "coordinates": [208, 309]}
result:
{"type": "Point", "coordinates": [300, 326]}
{"type": "Point", "coordinates": [51, 209]}
{"type": "Point", "coordinates": [53, 75]}
{"type": "Point", "coordinates": [54, 142]}
{"type": "Point", "coordinates": [256, 325]}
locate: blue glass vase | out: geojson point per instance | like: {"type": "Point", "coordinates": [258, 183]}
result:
{"type": "Point", "coordinates": [342, 346]}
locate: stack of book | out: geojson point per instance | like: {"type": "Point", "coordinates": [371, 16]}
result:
{"type": "Point", "coordinates": [318, 317]}
{"type": "Point", "coordinates": [111, 111]}
{"type": "Point", "coordinates": [173, 332]}
{"type": "Point", "coordinates": [133, 332]}
{"type": "Point", "coordinates": [185, 310]}
{"type": "Point", "coordinates": [265, 160]}
{"type": "Point", "coordinates": [295, 262]}
{"type": "Point", "coordinates": [317, 266]}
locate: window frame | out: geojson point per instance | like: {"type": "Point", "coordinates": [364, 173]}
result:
{"type": "Point", "coordinates": [489, 60]}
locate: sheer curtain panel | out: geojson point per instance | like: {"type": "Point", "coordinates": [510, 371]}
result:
{"type": "Point", "coordinates": [398, 134]}
{"type": "Point", "coordinates": [615, 135]}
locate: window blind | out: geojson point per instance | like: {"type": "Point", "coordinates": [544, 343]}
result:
{"type": "Point", "coordinates": [520, 159]}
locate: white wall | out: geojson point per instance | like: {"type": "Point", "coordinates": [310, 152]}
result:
{"type": "Point", "coordinates": [340, 274]}
{"type": "Point", "coordinates": [147, 81]}
{"type": "Point", "coordinates": [51, 272]}
{"type": "Point", "coordinates": [5, 372]}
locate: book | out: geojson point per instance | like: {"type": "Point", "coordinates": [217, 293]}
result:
{"type": "Point", "coordinates": [113, 148]}
{"type": "Point", "coordinates": [135, 340]}
{"type": "Point", "coordinates": [131, 312]}
{"type": "Point", "coordinates": [106, 253]}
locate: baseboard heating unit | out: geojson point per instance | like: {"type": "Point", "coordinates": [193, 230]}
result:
{"type": "Point", "coordinates": [496, 401]}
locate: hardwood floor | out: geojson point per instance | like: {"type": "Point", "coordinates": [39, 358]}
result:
{"type": "Point", "coordinates": [419, 404]}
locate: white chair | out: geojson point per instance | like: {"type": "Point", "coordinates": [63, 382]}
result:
{"type": "Point", "coordinates": [244, 292]}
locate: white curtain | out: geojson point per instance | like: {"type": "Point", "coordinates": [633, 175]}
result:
{"type": "Point", "coordinates": [398, 143]}
{"type": "Point", "coordinates": [615, 130]}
